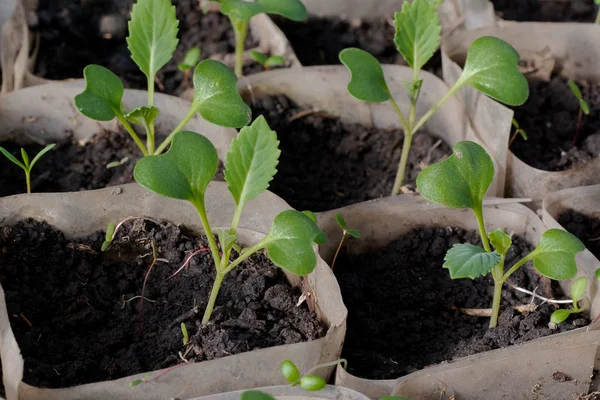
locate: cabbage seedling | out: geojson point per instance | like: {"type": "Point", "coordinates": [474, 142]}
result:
{"type": "Point", "coordinates": [151, 41]}
{"type": "Point", "coordinates": [190, 60]}
{"type": "Point", "coordinates": [240, 12]}
{"type": "Point", "coordinates": [518, 131]}
{"type": "Point", "coordinates": [339, 218]}
{"type": "Point", "coordinates": [461, 181]}
{"type": "Point", "coordinates": [577, 290]}
{"type": "Point", "coordinates": [491, 67]}
{"type": "Point", "coordinates": [266, 61]}
{"type": "Point", "coordinates": [584, 108]}
{"type": "Point", "coordinates": [26, 165]}
{"type": "Point", "coordinates": [191, 163]}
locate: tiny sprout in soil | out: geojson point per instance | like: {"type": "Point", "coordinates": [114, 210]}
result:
{"type": "Point", "coordinates": [584, 108]}
{"type": "Point", "coordinates": [240, 12]}
{"type": "Point", "coordinates": [491, 67]}
{"type": "Point", "coordinates": [518, 131]}
{"type": "Point", "coordinates": [339, 218]}
{"type": "Point", "coordinates": [577, 291]}
{"type": "Point", "coordinates": [152, 40]}
{"type": "Point", "coordinates": [26, 165]}
{"type": "Point", "coordinates": [266, 61]}
{"type": "Point", "coordinates": [184, 332]}
{"type": "Point", "coordinates": [461, 181]}
{"type": "Point", "coordinates": [184, 173]}
{"type": "Point", "coordinates": [190, 60]}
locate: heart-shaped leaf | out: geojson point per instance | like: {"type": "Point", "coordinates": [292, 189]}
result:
{"type": "Point", "coordinates": [491, 68]}
{"type": "Point", "coordinates": [252, 161]}
{"type": "Point", "coordinates": [259, 57]}
{"type": "Point", "coordinates": [289, 242]}
{"type": "Point", "coordinates": [461, 180]}
{"type": "Point", "coordinates": [274, 61]}
{"type": "Point", "coordinates": [468, 261]}
{"type": "Point", "coordinates": [418, 32]}
{"type": "Point", "coordinates": [340, 220]}
{"type": "Point", "coordinates": [578, 288]}
{"type": "Point", "coordinates": [101, 99]}
{"type": "Point", "coordinates": [244, 10]}
{"type": "Point", "coordinates": [183, 172]}
{"type": "Point", "coordinates": [554, 256]}
{"type": "Point", "coordinates": [367, 82]}
{"type": "Point", "coordinates": [152, 35]}
{"type": "Point", "coordinates": [559, 316]}
{"type": "Point", "coordinates": [144, 115]}
{"type": "Point", "coordinates": [500, 240]}
{"type": "Point", "coordinates": [216, 96]}
{"type": "Point", "coordinates": [354, 233]}
{"type": "Point", "coordinates": [190, 59]}
{"type": "Point", "coordinates": [290, 371]}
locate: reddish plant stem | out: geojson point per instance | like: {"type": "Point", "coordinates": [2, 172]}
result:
{"type": "Point", "coordinates": [140, 328]}
{"type": "Point", "coordinates": [512, 139]}
{"type": "Point", "coordinates": [338, 249]}
{"type": "Point", "coordinates": [166, 371]}
{"type": "Point", "coordinates": [578, 128]}
{"type": "Point", "coordinates": [187, 261]}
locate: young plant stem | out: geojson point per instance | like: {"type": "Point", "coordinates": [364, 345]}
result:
{"type": "Point", "coordinates": [28, 180]}
{"type": "Point", "coordinates": [240, 29]}
{"type": "Point", "coordinates": [338, 249]}
{"type": "Point", "coordinates": [597, 17]}
{"type": "Point", "coordinates": [213, 297]}
{"type": "Point", "coordinates": [132, 133]}
{"type": "Point", "coordinates": [190, 114]}
{"type": "Point", "coordinates": [496, 303]}
{"type": "Point", "coordinates": [209, 235]}
{"type": "Point", "coordinates": [432, 111]}
{"type": "Point", "coordinates": [149, 137]}
{"type": "Point", "coordinates": [151, 90]}
{"type": "Point", "coordinates": [402, 164]}
{"type": "Point", "coordinates": [499, 278]}
{"type": "Point", "coordinates": [513, 137]}
{"type": "Point", "coordinates": [141, 314]}
{"type": "Point", "coordinates": [478, 211]}
{"type": "Point", "coordinates": [578, 128]}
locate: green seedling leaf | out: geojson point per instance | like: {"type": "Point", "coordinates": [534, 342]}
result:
{"type": "Point", "coordinates": [491, 68]}
{"type": "Point", "coordinates": [110, 231]}
{"type": "Point", "coordinates": [597, 274]}
{"type": "Point", "coordinates": [184, 332]}
{"type": "Point", "coordinates": [367, 81]}
{"type": "Point", "coordinates": [313, 217]}
{"type": "Point", "coordinates": [554, 256]}
{"type": "Point", "coordinates": [12, 158]}
{"type": "Point", "coordinates": [418, 32]}
{"type": "Point", "coordinates": [25, 157]}
{"type": "Point", "coordinates": [152, 35]}
{"type": "Point", "coordinates": [340, 220]}
{"type": "Point", "coordinates": [259, 57]}
{"type": "Point", "coordinates": [578, 289]}
{"type": "Point", "coordinates": [117, 163]}
{"type": "Point", "coordinates": [584, 107]}
{"type": "Point", "coordinates": [216, 96]}
{"type": "Point", "coordinates": [255, 395]}
{"type": "Point", "coordinates": [354, 233]}
{"type": "Point", "coordinates": [135, 382]}
{"type": "Point", "coordinates": [227, 241]}
{"type": "Point", "coordinates": [290, 240]}
{"type": "Point", "coordinates": [274, 61]}
{"type": "Point", "coordinates": [290, 371]}
{"type": "Point", "coordinates": [560, 316]}
{"type": "Point", "coordinates": [183, 172]}
{"type": "Point", "coordinates": [515, 123]}
{"type": "Point", "coordinates": [190, 59]}
{"type": "Point", "coordinates": [468, 261]}
{"type": "Point", "coordinates": [575, 90]}
{"type": "Point", "coordinates": [500, 240]}
{"type": "Point", "coordinates": [101, 99]}
{"type": "Point", "coordinates": [40, 154]}
{"type": "Point", "coordinates": [243, 10]}
{"type": "Point", "coordinates": [461, 180]}
{"type": "Point", "coordinates": [312, 383]}
{"type": "Point", "coordinates": [252, 161]}
{"type": "Point", "coordinates": [144, 115]}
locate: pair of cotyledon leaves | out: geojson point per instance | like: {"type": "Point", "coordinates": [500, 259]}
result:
{"type": "Point", "coordinates": [185, 171]}
{"type": "Point", "coordinates": [461, 181]}
{"type": "Point", "coordinates": [491, 65]}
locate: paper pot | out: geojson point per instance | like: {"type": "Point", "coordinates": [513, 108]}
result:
{"type": "Point", "coordinates": [79, 214]}
{"type": "Point", "coordinates": [324, 88]}
{"type": "Point", "coordinates": [295, 393]}
{"type": "Point", "coordinates": [475, 377]}
{"type": "Point", "coordinates": [575, 49]}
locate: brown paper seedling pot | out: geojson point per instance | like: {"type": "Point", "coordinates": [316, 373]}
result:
{"type": "Point", "coordinates": [47, 114]}
{"type": "Point", "coordinates": [295, 393]}
{"type": "Point", "coordinates": [567, 49]}
{"type": "Point", "coordinates": [322, 90]}
{"type": "Point", "coordinates": [508, 373]}
{"type": "Point", "coordinates": [583, 203]}
{"type": "Point", "coordinates": [80, 214]}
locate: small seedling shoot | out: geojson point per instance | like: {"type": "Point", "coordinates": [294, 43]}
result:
{"type": "Point", "coordinates": [584, 108]}
{"type": "Point", "coordinates": [266, 61]}
{"type": "Point", "coordinates": [490, 67]}
{"type": "Point", "coordinates": [339, 218]}
{"type": "Point", "coordinates": [241, 11]}
{"type": "Point", "coordinates": [577, 294]}
{"type": "Point", "coordinates": [190, 60]}
{"type": "Point", "coordinates": [184, 173]}
{"type": "Point", "coordinates": [518, 131]}
{"type": "Point", "coordinates": [461, 181]}
{"type": "Point", "coordinates": [26, 165]}
{"type": "Point", "coordinates": [152, 40]}
{"type": "Point", "coordinates": [598, 13]}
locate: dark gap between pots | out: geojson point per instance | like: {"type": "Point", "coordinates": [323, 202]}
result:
{"type": "Point", "coordinates": [546, 10]}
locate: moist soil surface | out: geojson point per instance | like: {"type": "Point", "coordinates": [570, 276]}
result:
{"type": "Point", "coordinates": [75, 313]}
{"type": "Point", "coordinates": [326, 163]}
{"type": "Point", "coordinates": [400, 302]}
{"type": "Point", "coordinates": [318, 41]}
{"type": "Point", "coordinates": [585, 227]}
{"type": "Point", "coordinates": [546, 10]}
{"type": "Point", "coordinates": [75, 33]}
{"type": "Point", "coordinates": [71, 166]}
{"type": "Point", "coordinates": [550, 118]}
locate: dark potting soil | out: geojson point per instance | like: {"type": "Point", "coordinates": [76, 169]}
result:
{"type": "Point", "coordinates": [550, 118]}
{"type": "Point", "coordinates": [326, 164]}
{"type": "Point", "coordinates": [585, 227]}
{"type": "Point", "coordinates": [83, 311]}
{"type": "Point", "coordinates": [400, 302]}
{"type": "Point", "coordinates": [546, 10]}
{"type": "Point", "coordinates": [75, 33]}
{"type": "Point", "coordinates": [318, 41]}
